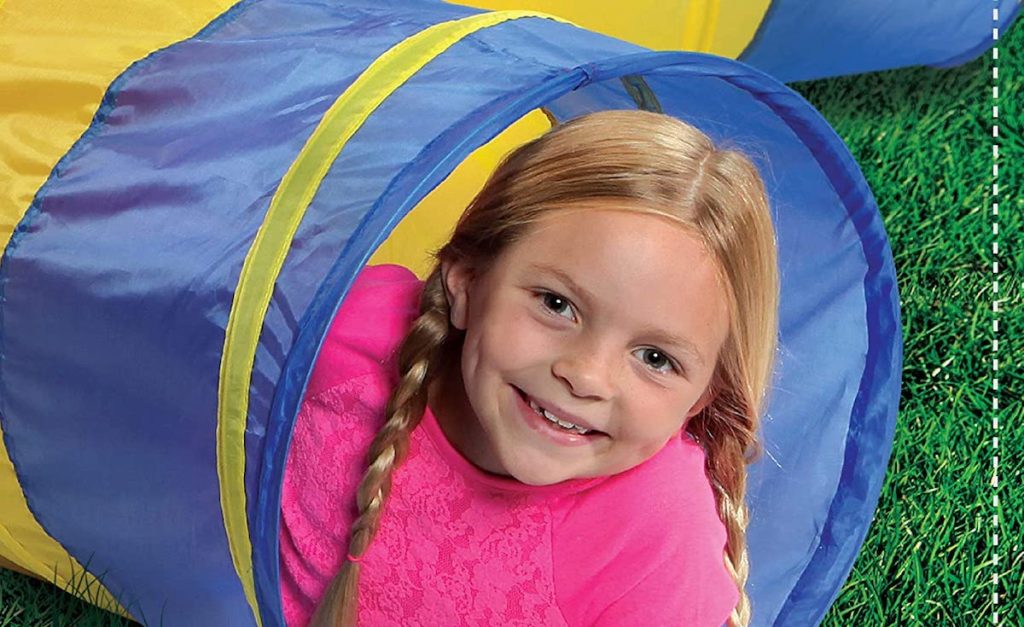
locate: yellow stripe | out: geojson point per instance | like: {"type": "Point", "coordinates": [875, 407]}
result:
{"type": "Point", "coordinates": [267, 254]}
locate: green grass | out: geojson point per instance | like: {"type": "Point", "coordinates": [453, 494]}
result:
{"type": "Point", "coordinates": [27, 602]}
{"type": "Point", "coordinates": [923, 139]}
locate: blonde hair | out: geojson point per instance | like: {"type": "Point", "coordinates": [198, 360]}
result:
{"type": "Point", "coordinates": [664, 167]}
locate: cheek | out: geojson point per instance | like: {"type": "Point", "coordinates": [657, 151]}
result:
{"type": "Point", "coordinates": [656, 415]}
{"type": "Point", "coordinates": [517, 339]}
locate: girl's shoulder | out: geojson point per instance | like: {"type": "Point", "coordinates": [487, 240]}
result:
{"type": "Point", "coordinates": [368, 327]}
{"type": "Point", "coordinates": [670, 487]}
{"type": "Point", "coordinates": [653, 538]}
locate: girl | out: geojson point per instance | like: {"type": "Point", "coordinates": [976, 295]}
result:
{"type": "Point", "coordinates": [567, 414]}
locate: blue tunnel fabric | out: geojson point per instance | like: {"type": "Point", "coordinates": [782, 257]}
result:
{"type": "Point", "coordinates": [808, 39]}
{"type": "Point", "coordinates": [141, 232]}
{"type": "Point", "coordinates": [110, 413]}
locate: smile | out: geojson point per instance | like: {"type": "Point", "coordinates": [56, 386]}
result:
{"type": "Point", "coordinates": [568, 426]}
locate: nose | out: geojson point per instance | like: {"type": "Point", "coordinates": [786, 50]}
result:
{"type": "Point", "coordinates": [586, 369]}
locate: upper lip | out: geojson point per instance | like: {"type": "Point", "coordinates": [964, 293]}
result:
{"type": "Point", "coordinates": [560, 413]}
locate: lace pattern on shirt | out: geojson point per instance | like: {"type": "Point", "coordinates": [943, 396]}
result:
{"type": "Point", "coordinates": [443, 554]}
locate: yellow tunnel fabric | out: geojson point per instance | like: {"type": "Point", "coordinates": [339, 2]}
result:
{"type": "Point", "coordinates": [427, 227]}
{"type": "Point", "coordinates": [266, 256]}
{"type": "Point", "coordinates": [722, 27]}
{"type": "Point", "coordinates": [57, 59]}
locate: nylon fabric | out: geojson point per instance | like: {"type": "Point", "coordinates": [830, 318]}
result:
{"type": "Point", "coordinates": [143, 228]}
{"type": "Point", "coordinates": [699, 25]}
{"type": "Point", "coordinates": [1008, 12]}
{"type": "Point", "coordinates": [779, 129]}
{"type": "Point", "coordinates": [11, 549]}
{"type": "Point", "coordinates": [9, 565]}
{"type": "Point", "coordinates": [441, 133]}
{"type": "Point", "coordinates": [102, 499]}
{"type": "Point", "coordinates": [428, 225]}
{"type": "Point", "coordinates": [738, 22]}
{"type": "Point", "coordinates": [722, 27]}
{"type": "Point", "coordinates": [266, 257]}
{"type": "Point", "coordinates": [809, 39]}
{"type": "Point", "coordinates": [794, 40]}
{"type": "Point", "coordinates": [56, 61]}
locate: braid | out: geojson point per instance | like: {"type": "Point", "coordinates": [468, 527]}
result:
{"type": "Point", "coordinates": [726, 433]}
{"type": "Point", "coordinates": [419, 359]}
{"type": "Point", "coordinates": [733, 511]}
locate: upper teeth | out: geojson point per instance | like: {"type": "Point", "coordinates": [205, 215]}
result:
{"type": "Point", "coordinates": [561, 423]}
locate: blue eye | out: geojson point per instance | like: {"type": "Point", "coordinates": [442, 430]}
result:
{"type": "Point", "coordinates": [558, 305]}
{"type": "Point", "coordinates": [657, 360]}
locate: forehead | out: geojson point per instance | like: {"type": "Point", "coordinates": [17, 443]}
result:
{"type": "Point", "coordinates": [635, 269]}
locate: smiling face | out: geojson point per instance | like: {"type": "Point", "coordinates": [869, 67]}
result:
{"type": "Point", "coordinates": [608, 319]}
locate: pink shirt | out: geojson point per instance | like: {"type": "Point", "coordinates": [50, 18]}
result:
{"type": "Point", "coordinates": [460, 546]}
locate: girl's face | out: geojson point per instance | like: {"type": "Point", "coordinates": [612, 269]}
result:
{"type": "Point", "coordinates": [609, 320]}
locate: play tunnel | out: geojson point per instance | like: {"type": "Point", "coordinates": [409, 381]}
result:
{"type": "Point", "coordinates": [164, 291]}
{"type": "Point", "coordinates": [796, 40]}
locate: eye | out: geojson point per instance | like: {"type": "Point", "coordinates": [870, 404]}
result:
{"type": "Point", "coordinates": [558, 305]}
{"type": "Point", "coordinates": [657, 360]}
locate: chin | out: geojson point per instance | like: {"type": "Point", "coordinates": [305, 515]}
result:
{"type": "Point", "coordinates": [538, 481]}
{"type": "Point", "coordinates": [534, 477]}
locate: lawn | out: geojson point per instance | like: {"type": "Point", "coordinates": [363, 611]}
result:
{"type": "Point", "coordinates": [923, 138]}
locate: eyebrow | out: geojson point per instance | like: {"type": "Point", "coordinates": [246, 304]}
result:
{"type": "Point", "coordinates": [660, 337]}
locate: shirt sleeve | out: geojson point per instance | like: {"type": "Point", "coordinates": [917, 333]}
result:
{"type": "Point", "coordinates": [339, 416]}
{"type": "Point", "coordinates": [368, 327]}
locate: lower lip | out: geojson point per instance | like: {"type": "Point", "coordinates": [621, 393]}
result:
{"type": "Point", "coordinates": [544, 426]}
